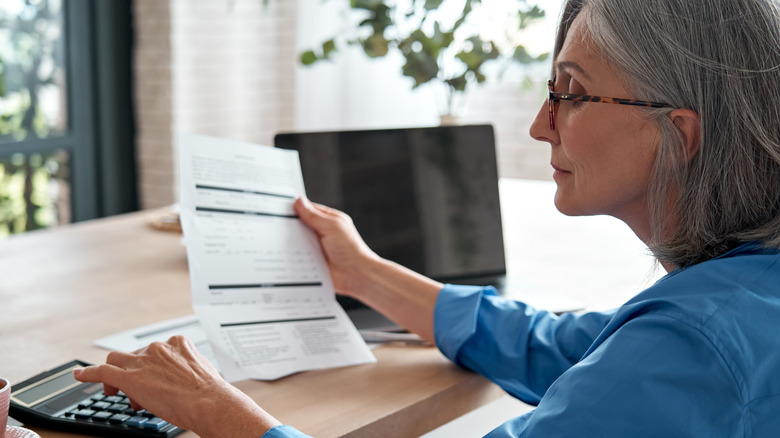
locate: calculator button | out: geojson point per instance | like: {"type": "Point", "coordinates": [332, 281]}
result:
{"type": "Point", "coordinates": [100, 406]}
{"type": "Point", "coordinates": [85, 404]}
{"type": "Point", "coordinates": [84, 414]}
{"type": "Point", "coordinates": [155, 423]}
{"type": "Point", "coordinates": [98, 397]}
{"type": "Point", "coordinates": [137, 421]}
{"type": "Point", "coordinates": [114, 399]}
{"type": "Point", "coordinates": [68, 414]}
{"type": "Point", "coordinates": [118, 418]}
{"type": "Point", "coordinates": [145, 413]}
{"type": "Point", "coordinates": [102, 416]}
{"type": "Point", "coordinates": [118, 407]}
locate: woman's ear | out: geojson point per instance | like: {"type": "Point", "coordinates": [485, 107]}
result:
{"type": "Point", "coordinates": [687, 121]}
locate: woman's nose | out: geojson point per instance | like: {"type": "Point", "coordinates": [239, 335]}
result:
{"type": "Point", "coordinates": [540, 128]}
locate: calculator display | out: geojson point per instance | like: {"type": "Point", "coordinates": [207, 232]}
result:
{"type": "Point", "coordinates": [46, 389]}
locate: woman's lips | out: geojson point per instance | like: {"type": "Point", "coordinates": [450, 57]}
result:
{"type": "Point", "coordinates": [559, 172]}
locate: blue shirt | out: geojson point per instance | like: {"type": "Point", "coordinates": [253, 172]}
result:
{"type": "Point", "coordinates": [695, 355]}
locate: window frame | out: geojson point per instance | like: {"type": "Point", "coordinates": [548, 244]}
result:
{"type": "Point", "coordinates": [100, 139]}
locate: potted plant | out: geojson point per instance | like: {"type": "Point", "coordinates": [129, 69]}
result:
{"type": "Point", "coordinates": [437, 46]}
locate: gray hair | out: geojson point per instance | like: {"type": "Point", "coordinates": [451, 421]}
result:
{"type": "Point", "coordinates": [721, 59]}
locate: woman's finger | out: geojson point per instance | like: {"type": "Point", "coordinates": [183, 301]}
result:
{"type": "Point", "coordinates": [107, 374]}
{"type": "Point", "coordinates": [123, 360]}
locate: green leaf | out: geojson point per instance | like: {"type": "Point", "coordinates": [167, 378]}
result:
{"type": "Point", "coordinates": [375, 46]}
{"type": "Point", "coordinates": [421, 67]}
{"type": "Point", "coordinates": [458, 83]}
{"type": "Point", "coordinates": [328, 47]}
{"type": "Point", "coordinates": [427, 45]}
{"type": "Point", "coordinates": [442, 39]}
{"type": "Point", "coordinates": [481, 52]}
{"type": "Point", "coordinates": [529, 16]}
{"type": "Point", "coordinates": [432, 4]}
{"type": "Point", "coordinates": [382, 18]}
{"type": "Point", "coordinates": [379, 20]}
{"type": "Point", "coordinates": [475, 57]}
{"type": "Point", "coordinates": [308, 58]}
{"type": "Point", "coordinates": [365, 4]}
{"type": "Point", "coordinates": [463, 15]}
{"type": "Point", "coordinates": [471, 59]}
{"type": "Point", "coordinates": [522, 56]}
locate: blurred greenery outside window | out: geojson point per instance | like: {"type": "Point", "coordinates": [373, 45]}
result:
{"type": "Point", "coordinates": [34, 192]}
{"type": "Point", "coordinates": [34, 184]}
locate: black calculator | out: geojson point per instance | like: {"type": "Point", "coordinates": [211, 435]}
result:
{"type": "Point", "coordinates": [55, 400]}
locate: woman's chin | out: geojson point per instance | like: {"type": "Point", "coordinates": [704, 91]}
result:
{"type": "Point", "coordinates": [563, 203]}
{"type": "Point", "coordinates": [569, 205]}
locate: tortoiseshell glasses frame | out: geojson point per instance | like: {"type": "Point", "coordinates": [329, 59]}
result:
{"type": "Point", "coordinates": [553, 98]}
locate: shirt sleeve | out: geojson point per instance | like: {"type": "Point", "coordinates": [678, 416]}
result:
{"type": "Point", "coordinates": [521, 349]}
{"type": "Point", "coordinates": [284, 431]}
{"type": "Point", "coordinates": [655, 376]}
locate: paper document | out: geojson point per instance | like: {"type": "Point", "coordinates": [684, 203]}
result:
{"type": "Point", "coordinates": [260, 284]}
{"type": "Point", "coordinates": [135, 339]}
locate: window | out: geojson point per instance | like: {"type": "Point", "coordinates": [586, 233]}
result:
{"type": "Point", "coordinates": [66, 140]}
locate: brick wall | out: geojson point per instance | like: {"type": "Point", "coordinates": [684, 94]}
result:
{"type": "Point", "coordinates": [221, 68]}
{"type": "Point", "coordinates": [153, 102]}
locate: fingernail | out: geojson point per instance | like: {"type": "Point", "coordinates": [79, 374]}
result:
{"type": "Point", "coordinates": [77, 371]}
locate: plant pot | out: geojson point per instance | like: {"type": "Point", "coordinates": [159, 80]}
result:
{"type": "Point", "coordinates": [449, 120]}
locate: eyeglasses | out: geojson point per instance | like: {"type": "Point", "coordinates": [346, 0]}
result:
{"type": "Point", "coordinates": [553, 98]}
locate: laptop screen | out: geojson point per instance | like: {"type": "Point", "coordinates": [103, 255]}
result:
{"type": "Point", "coordinates": [426, 198]}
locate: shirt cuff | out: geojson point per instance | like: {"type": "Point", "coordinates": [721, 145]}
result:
{"type": "Point", "coordinates": [284, 431]}
{"type": "Point", "coordinates": [455, 316]}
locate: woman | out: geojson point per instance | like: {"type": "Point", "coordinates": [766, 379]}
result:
{"type": "Point", "coordinates": [686, 150]}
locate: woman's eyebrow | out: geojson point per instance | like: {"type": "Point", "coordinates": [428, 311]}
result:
{"type": "Point", "coordinates": [570, 65]}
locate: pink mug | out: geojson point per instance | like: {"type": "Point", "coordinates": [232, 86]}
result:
{"type": "Point", "coordinates": [5, 401]}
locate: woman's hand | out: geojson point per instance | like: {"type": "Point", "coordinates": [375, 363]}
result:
{"type": "Point", "coordinates": [404, 296]}
{"type": "Point", "coordinates": [348, 256]}
{"type": "Point", "coordinates": [175, 382]}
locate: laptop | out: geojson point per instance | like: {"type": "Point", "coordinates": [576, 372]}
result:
{"type": "Point", "coordinates": [426, 198]}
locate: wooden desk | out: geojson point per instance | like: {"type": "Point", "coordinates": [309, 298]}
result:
{"type": "Point", "coordinates": [62, 289]}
